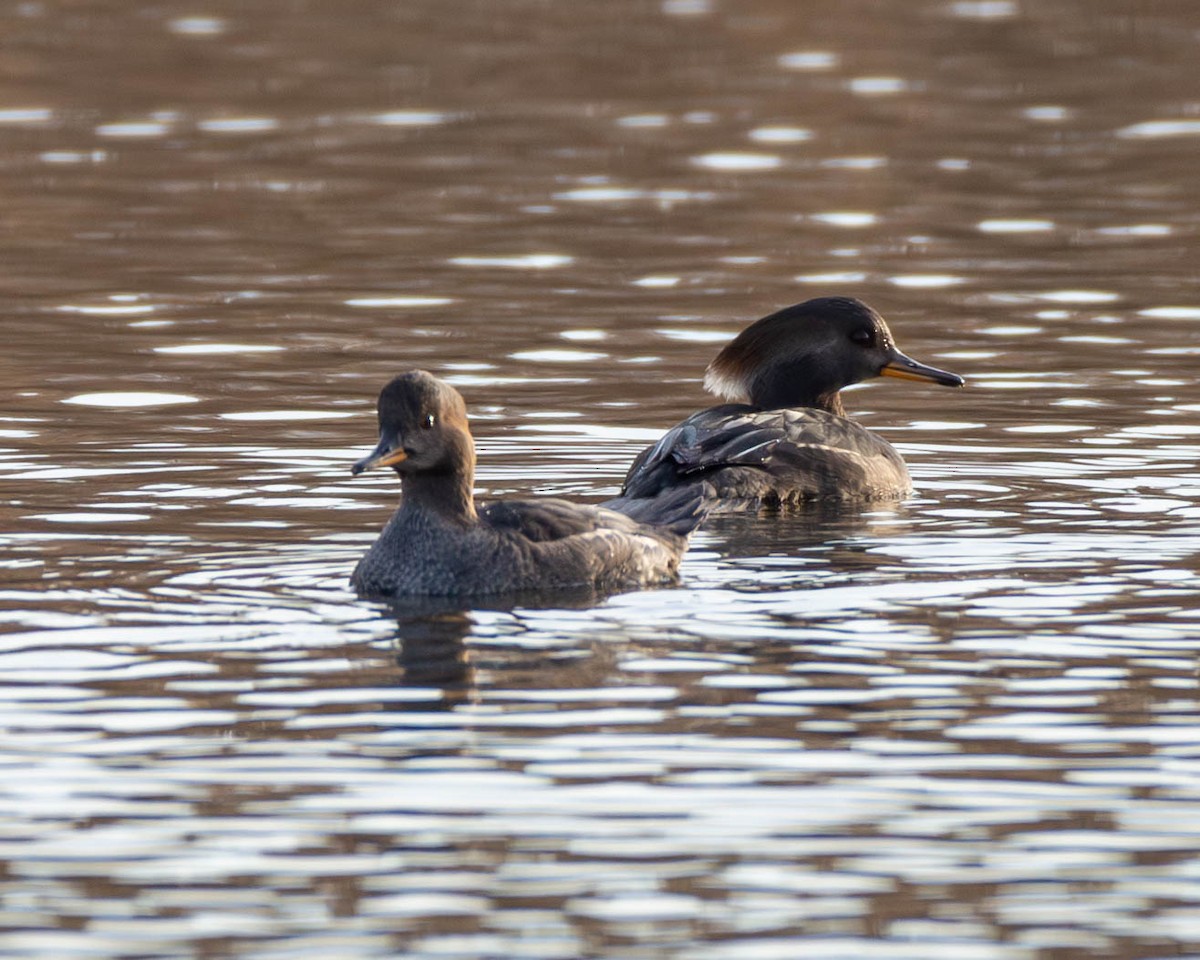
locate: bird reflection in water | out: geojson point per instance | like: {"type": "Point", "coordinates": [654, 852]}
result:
{"type": "Point", "coordinates": [431, 653]}
{"type": "Point", "coordinates": [833, 536]}
{"type": "Point", "coordinates": [432, 632]}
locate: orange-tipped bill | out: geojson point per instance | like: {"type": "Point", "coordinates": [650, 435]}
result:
{"type": "Point", "coordinates": [906, 368]}
{"type": "Point", "coordinates": [384, 455]}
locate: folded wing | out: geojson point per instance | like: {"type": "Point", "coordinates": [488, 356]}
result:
{"type": "Point", "coordinates": [752, 456]}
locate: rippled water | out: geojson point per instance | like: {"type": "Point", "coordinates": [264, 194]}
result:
{"type": "Point", "coordinates": [964, 726]}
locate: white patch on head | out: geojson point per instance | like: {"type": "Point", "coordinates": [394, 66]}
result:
{"type": "Point", "coordinates": [721, 384]}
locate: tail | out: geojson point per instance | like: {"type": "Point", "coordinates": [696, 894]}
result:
{"type": "Point", "coordinates": [679, 510]}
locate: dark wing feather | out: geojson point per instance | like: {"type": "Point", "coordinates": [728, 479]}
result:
{"type": "Point", "coordinates": [547, 519]}
{"type": "Point", "coordinates": [775, 455]}
{"type": "Point", "coordinates": [677, 513]}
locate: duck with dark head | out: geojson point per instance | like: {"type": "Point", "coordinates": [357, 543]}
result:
{"type": "Point", "coordinates": [440, 542]}
{"type": "Point", "coordinates": [784, 437]}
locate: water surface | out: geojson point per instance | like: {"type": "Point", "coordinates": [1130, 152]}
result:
{"type": "Point", "coordinates": [962, 726]}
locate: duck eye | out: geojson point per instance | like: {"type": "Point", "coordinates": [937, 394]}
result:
{"type": "Point", "coordinates": [863, 337]}
{"type": "Point", "coordinates": [427, 423]}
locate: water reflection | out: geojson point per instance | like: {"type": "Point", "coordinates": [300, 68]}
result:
{"type": "Point", "coordinates": [431, 652]}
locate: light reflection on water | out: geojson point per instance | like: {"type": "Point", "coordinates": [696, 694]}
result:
{"type": "Point", "coordinates": [962, 726]}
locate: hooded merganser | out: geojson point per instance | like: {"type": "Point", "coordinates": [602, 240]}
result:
{"type": "Point", "coordinates": [440, 543]}
{"type": "Point", "coordinates": [785, 437]}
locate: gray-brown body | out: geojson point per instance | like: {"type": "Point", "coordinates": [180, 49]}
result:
{"type": "Point", "coordinates": [514, 546]}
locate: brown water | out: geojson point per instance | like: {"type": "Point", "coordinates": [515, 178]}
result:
{"type": "Point", "coordinates": [961, 727]}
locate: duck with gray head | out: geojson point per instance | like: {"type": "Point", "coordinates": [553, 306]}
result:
{"type": "Point", "coordinates": [439, 542]}
{"type": "Point", "coordinates": [785, 437]}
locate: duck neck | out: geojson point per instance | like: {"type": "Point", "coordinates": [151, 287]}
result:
{"type": "Point", "coordinates": [446, 491]}
{"type": "Point", "coordinates": [832, 403]}
{"type": "Point", "coordinates": [777, 394]}
{"type": "Point", "coordinates": [447, 495]}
